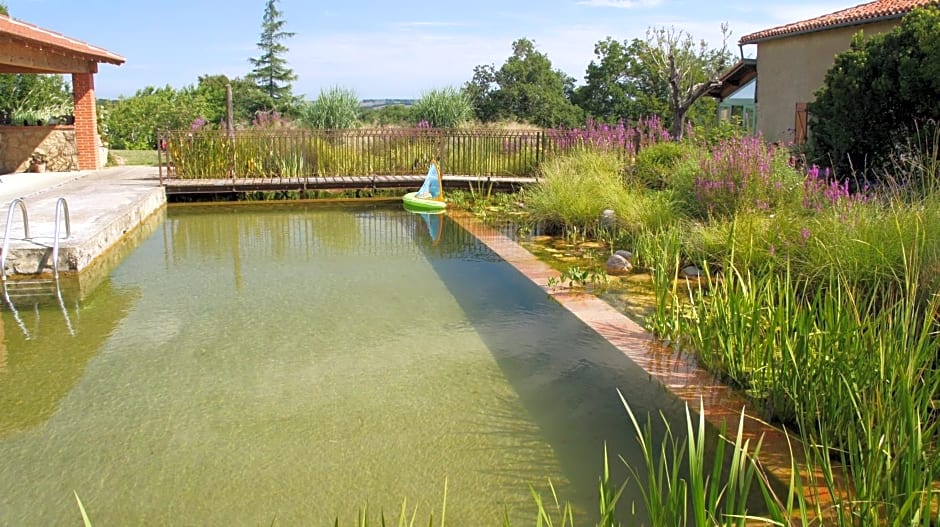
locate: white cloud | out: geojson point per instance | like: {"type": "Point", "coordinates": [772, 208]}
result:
{"type": "Point", "coordinates": [404, 63]}
{"type": "Point", "coordinates": [390, 64]}
{"type": "Point", "coordinates": [790, 13]}
{"type": "Point", "coordinates": [622, 4]}
{"type": "Point", "coordinates": [429, 24]}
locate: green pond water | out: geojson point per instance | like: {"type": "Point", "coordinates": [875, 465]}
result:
{"type": "Point", "coordinates": [293, 365]}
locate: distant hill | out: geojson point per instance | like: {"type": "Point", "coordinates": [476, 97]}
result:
{"type": "Point", "coordinates": [375, 104]}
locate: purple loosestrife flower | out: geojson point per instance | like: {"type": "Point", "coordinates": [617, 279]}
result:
{"type": "Point", "coordinates": [805, 234]}
{"type": "Point", "coordinates": [820, 190]}
{"type": "Point", "coordinates": [198, 124]}
{"type": "Point", "coordinates": [268, 119]}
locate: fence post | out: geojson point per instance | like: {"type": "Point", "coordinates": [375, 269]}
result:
{"type": "Point", "coordinates": [538, 149]}
{"type": "Point", "coordinates": [441, 145]}
{"type": "Point", "coordinates": [160, 157]}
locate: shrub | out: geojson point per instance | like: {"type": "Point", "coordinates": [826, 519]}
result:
{"type": "Point", "coordinates": [874, 94]}
{"type": "Point", "coordinates": [654, 163]}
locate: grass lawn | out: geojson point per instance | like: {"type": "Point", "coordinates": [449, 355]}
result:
{"type": "Point", "coordinates": [133, 157]}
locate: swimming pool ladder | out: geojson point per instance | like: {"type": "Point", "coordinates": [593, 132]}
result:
{"type": "Point", "coordinates": [33, 288]}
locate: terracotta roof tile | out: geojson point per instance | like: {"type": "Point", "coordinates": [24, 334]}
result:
{"type": "Point", "coordinates": [860, 14]}
{"type": "Point", "coordinates": [24, 30]}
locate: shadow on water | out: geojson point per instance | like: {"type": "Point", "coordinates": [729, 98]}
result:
{"type": "Point", "coordinates": [45, 347]}
{"type": "Point", "coordinates": [48, 337]}
{"type": "Point", "coordinates": [566, 375]}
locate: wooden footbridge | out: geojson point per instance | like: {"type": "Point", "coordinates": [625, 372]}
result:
{"type": "Point", "coordinates": [184, 186]}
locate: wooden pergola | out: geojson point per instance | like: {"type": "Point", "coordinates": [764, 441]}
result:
{"type": "Point", "coordinates": [27, 48]}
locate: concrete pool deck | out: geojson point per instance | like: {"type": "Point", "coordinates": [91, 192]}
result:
{"type": "Point", "coordinates": [103, 206]}
{"type": "Point", "coordinates": [106, 205]}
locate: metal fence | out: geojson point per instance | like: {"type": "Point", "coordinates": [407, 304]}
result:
{"type": "Point", "coordinates": [213, 154]}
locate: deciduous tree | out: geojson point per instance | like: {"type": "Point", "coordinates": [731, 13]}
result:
{"type": "Point", "coordinates": [688, 68]}
{"type": "Point", "coordinates": [620, 86]}
{"type": "Point", "coordinates": [525, 88]}
{"type": "Point", "coordinates": [247, 98]}
{"type": "Point", "coordinates": [134, 122]}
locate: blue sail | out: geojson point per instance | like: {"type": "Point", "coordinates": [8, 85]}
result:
{"type": "Point", "coordinates": [431, 189]}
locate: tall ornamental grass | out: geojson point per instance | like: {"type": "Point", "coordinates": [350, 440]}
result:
{"type": "Point", "coordinates": [336, 108]}
{"type": "Point", "coordinates": [442, 108]}
{"type": "Point", "coordinates": [577, 188]}
{"type": "Point", "coordinates": [852, 367]}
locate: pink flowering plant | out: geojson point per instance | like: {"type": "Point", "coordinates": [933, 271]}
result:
{"type": "Point", "coordinates": [742, 174]}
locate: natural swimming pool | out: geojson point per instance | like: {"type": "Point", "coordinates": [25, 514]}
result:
{"type": "Point", "coordinates": [245, 365]}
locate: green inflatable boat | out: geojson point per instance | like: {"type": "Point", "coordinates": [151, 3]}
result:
{"type": "Point", "coordinates": [431, 194]}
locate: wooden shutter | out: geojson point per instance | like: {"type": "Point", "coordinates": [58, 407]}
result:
{"type": "Point", "coordinates": [800, 127]}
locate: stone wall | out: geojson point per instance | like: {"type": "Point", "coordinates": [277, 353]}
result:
{"type": "Point", "coordinates": [57, 142]}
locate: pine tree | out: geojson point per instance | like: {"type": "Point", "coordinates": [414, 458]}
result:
{"type": "Point", "coordinates": [270, 72]}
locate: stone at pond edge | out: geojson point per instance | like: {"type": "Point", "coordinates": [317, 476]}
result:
{"type": "Point", "coordinates": [691, 271]}
{"type": "Point", "coordinates": [626, 254]}
{"type": "Point", "coordinates": [608, 218]}
{"type": "Point", "coordinates": [617, 265]}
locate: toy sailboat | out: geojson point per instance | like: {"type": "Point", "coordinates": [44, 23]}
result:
{"type": "Point", "coordinates": [431, 194]}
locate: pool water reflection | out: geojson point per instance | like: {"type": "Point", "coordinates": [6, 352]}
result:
{"type": "Point", "coordinates": [297, 363]}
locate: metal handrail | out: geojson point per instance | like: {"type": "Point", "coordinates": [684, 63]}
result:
{"type": "Point", "coordinates": [6, 233]}
{"type": "Point", "coordinates": [60, 205]}
{"type": "Point", "coordinates": [61, 208]}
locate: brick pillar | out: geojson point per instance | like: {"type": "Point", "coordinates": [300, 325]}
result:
{"type": "Point", "coordinates": [86, 120]}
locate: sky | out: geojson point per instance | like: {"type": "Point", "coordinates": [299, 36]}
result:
{"type": "Point", "coordinates": [381, 49]}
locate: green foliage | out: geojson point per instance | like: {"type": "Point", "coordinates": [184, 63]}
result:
{"type": "Point", "coordinates": [134, 157]}
{"type": "Point", "coordinates": [577, 188]}
{"type": "Point", "coordinates": [875, 93]}
{"type": "Point", "coordinates": [393, 114]}
{"type": "Point", "coordinates": [32, 97]}
{"type": "Point", "coordinates": [353, 152]}
{"type": "Point", "coordinates": [3, 9]}
{"type": "Point", "coordinates": [525, 88]}
{"type": "Point", "coordinates": [443, 108]}
{"type": "Point", "coordinates": [270, 71]}
{"type": "Point", "coordinates": [620, 86]}
{"type": "Point", "coordinates": [737, 175]}
{"type": "Point", "coordinates": [654, 164]}
{"type": "Point", "coordinates": [335, 108]}
{"type": "Point", "coordinates": [247, 98]}
{"type": "Point", "coordinates": [852, 367]}
{"type": "Point", "coordinates": [708, 130]}
{"type": "Point", "coordinates": [710, 494]}
{"type": "Point", "coordinates": [133, 122]}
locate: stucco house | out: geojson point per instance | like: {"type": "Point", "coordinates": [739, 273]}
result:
{"type": "Point", "coordinates": [792, 60]}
